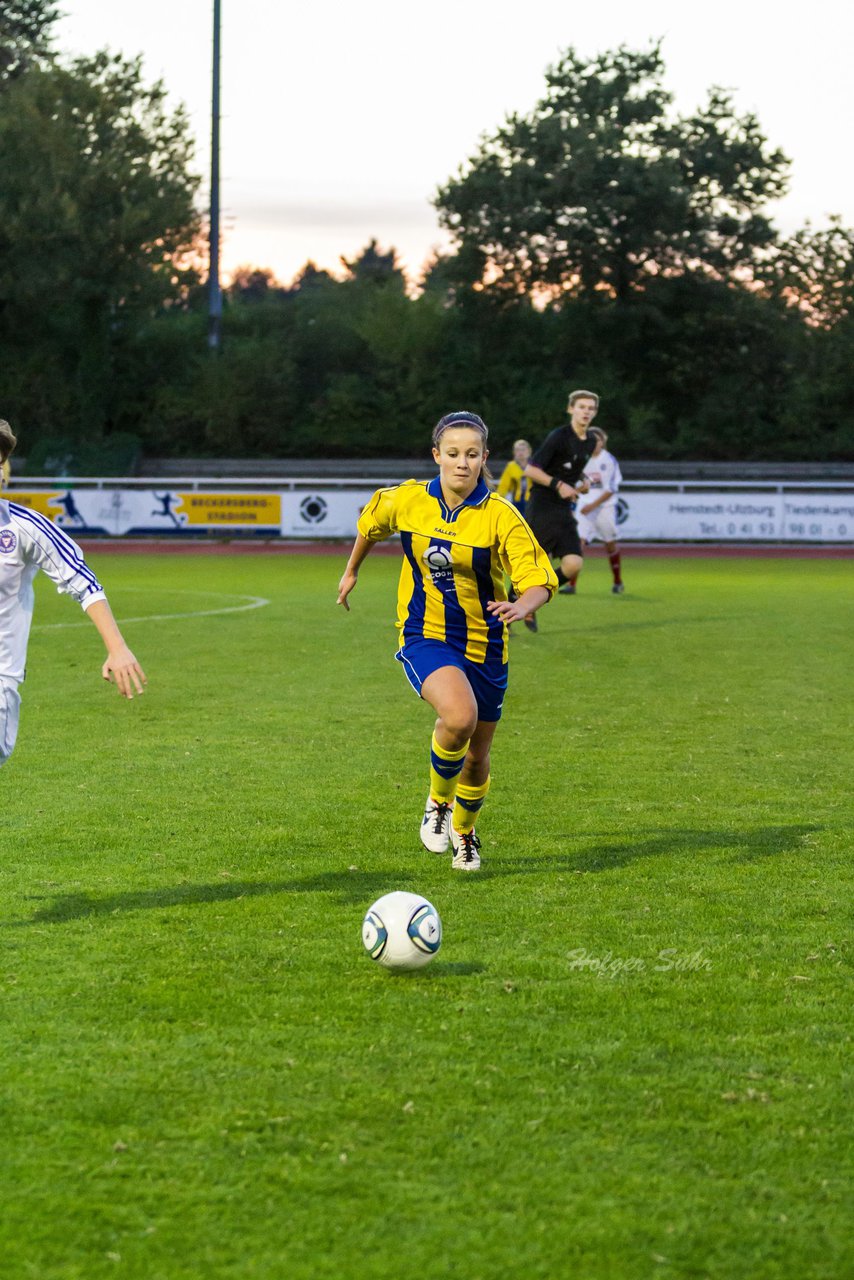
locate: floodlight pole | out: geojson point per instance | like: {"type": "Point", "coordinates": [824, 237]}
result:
{"type": "Point", "coordinates": [214, 290]}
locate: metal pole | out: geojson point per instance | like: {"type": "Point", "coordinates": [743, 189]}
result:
{"type": "Point", "coordinates": [214, 290]}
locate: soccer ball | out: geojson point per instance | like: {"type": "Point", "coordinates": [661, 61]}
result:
{"type": "Point", "coordinates": [402, 931]}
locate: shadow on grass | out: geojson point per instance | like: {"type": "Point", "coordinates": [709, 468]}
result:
{"type": "Point", "coordinates": [362, 887]}
{"type": "Point", "coordinates": [745, 845]}
{"type": "Point", "coordinates": [619, 625]}
{"type": "Point", "coordinates": [350, 886]}
{"type": "Point", "coordinates": [440, 969]}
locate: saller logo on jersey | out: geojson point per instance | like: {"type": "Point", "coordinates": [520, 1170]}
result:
{"type": "Point", "coordinates": [8, 541]}
{"type": "Point", "coordinates": [438, 559]}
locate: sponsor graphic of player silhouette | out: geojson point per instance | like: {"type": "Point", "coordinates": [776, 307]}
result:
{"type": "Point", "coordinates": [72, 513]}
{"type": "Point", "coordinates": [166, 509]}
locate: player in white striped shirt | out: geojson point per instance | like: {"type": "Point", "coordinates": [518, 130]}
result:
{"type": "Point", "coordinates": [29, 542]}
{"type": "Point", "coordinates": [596, 513]}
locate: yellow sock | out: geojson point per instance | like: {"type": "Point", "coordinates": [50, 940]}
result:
{"type": "Point", "coordinates": [468, 805]}
{"type": "Point", "coordinates": [445, 767]}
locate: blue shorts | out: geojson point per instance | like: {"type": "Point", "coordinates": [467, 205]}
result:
{"type": "Point", "coordinates": [420, 658]}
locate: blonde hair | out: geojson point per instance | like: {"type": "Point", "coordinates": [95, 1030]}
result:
{"type": "Point", "coordinates": [583, 395]}
{"type": "Point", "coordinates": [517, 444]}
{"type": "Point", "coordinates": [599, 433]}
{"type": "Point", "coordinates": [8, 440]}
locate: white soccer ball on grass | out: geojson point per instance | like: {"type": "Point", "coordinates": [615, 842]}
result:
{"type": "Point", "coordinates": [402, 931]}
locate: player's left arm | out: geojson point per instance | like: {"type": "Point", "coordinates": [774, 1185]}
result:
{"type": "Point", "coordinates": [526, 565]}
{"type": "Point", "coordinates": [120, 666]}
{"type": "Point", "coordinates": [515, 610]}
{"type": "Point", "coordinates": [62, 560]}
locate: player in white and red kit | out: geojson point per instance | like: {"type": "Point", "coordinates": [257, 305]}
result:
{"type": "Point", "coordinates": [29, 542]}
{"type": "Point", "coordinates": [596, 512]}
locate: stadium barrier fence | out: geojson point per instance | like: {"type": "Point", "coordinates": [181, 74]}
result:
{"type": "Point", "coordinates": [309, 507]}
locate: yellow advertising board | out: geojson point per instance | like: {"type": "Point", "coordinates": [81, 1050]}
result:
{"type": "Point", "coordinates": [213, 509]}
{"type": "Point", "coordinates": [42, 501]}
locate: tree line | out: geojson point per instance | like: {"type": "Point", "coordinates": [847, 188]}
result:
{"type": "Point", "coordinates": [600, 240]}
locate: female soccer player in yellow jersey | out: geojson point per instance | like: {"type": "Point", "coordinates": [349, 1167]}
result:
{"type": "Point", "coordinates": [458, 541]}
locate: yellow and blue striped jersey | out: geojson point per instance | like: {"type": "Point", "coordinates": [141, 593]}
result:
{"type": "Point", "coordinates": [514, 484]}
{"type": "Point", "coordinates": [454, 562]}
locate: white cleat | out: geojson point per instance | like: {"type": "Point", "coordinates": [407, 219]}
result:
{"type": "Point", "coordinates": [466, 847]}
{"type": "Point", "coordinates": [436, 826]}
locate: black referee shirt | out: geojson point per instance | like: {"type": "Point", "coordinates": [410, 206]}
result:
{"type": "Point", "coordinates": [563, 455]}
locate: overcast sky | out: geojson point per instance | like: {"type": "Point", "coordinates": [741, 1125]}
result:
{"type": "Point", "coordinates": [340, 120]}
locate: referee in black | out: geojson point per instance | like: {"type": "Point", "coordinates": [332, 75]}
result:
{"type": "Point", "coordinates": [555, 470]}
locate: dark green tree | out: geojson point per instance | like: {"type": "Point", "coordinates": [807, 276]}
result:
{"type": "Point", "coordinates": [97, 227]}
{"type": "Point", "coordinates": [24, 34]}
{"type": "Point", "coordinates": [813, 276]}
{"type": "Point", "coordinates": [813, 270]}
{"type": "Point", "coordinates": [601, 186]}
{"type": "Point", "coordinates": [253, 284]}
{"type": "Point", "coordinates": [374, 267]}
{"type": "Point", "coordinates": [312, 278]}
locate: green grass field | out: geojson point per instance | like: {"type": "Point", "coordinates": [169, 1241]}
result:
{"type": "Point", "coordinates": [628, 1059]}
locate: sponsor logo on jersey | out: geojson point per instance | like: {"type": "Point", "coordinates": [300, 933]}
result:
{"type": "Point", "coordinates": [438, 561]}
{"type": "Point", "coordinates": [445, 533]}
{"type": "Point", "coordinates": [8, 541]}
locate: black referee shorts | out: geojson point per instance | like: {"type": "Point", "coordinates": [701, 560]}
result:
{"type": "Point", "coordinates": [555, 529]}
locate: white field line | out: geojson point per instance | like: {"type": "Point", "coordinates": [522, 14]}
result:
{"type": "Point", "coordinates": [254, 602]}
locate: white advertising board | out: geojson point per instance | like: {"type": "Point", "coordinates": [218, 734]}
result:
{"type": "Point", "coordinates": [660, 516]}
{"type": "Point", "coordinates": [322, 513]}
{"type": "Point", "coordinates": [740, 516]}
{"type": "Point", "coordinates": [688, 517]}
{"type": "Point", "coordinates": [818, 517]}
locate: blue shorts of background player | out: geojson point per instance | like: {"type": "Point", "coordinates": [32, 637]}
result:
{"type": "Point", "coordinates": [420, 658]}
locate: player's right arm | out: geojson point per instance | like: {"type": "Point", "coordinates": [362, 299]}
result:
{"type": "Point", "coordinates": [376, 522]}
{"type": "Point", "coordinates": [538, 469]}
{"type": "Point", "coordinates": [538, 476]}
{"type": "Point", "coordinates": [361, 547]}
{"type": "Point", "coordinates": [597, 502]}
{"type": "Point", "coordinates": [609, 470]}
